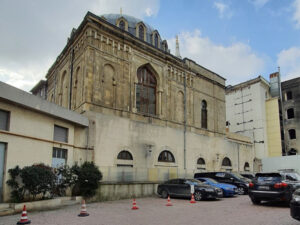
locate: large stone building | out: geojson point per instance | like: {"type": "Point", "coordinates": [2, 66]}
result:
{"type": "Point", "coordinates": [291, 115]}
{"type": "Point", "coordinates": [152, 115]}
{"type": "Point", "coordinates": [161, 110]}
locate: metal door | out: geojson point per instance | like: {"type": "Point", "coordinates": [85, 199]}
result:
{"type": "Point", "coordinates": [2, 155]}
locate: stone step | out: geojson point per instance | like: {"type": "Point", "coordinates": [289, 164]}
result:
{"type": "Point", "coordinates": [4, 205]}
{"type": "Point", "coordinates": [5, 212]}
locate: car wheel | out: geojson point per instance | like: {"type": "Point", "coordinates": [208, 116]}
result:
{"type": "Point", "coordinates": [241, 190]}
{"type": "Point", "coordinates": [198, 196]}
{"type": "Point", "coordinates": [164, 194]}
{"type": "Point", "coordinates": [255, 201]}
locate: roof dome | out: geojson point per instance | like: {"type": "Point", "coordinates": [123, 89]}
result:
{"type": "Point", "coordinates": [132, 24]}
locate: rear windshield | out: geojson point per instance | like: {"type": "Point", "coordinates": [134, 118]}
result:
{"type": "Point", "coordinates": [270, 177]}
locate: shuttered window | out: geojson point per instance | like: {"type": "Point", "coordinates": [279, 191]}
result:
{"type": "Point", "coordinates": [60, 134]}
{"type": "Point", "coordinates": [4, 120]}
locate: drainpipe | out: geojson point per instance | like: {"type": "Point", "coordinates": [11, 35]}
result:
{"type": "Point", "coordinates": [282, 111]}
{"type": "Point", "coordinates": [238, 148]}
{"type": "Point", "coordinates": [184, 122]}
{"type": "Point", "coordinates": [71, 78]}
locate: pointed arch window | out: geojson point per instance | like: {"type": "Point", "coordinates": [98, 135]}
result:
{"type": "Point", "coordinates": [146, 91]}
{"type": "Point", "coordinates": [226, 162]}
{"type": "Point", "coordinates": [156, 40]}
{"type": "Point", "coordinates": [166, 156]}
{"type": "Point", "coordinates": [201, 161]}
{"type": "Point", "coordinates": [122, 24]}
{"type": "Point", "coordinates": [204, 114]}
{"type": "Point", "coordinates": [141, 32]}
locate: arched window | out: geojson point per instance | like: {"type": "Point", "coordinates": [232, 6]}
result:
{"type": "Point", "coordinates": [290, 113]}
{"type": "Point", "coordinates": [226, 162]}
{"type": "Point", "coordinates": [125, 155]}
{"type": "Point", "coordinates": [289, 95]}
{"type": "Point", "coordinates": [141, 32]}
{"type": "Point", "coordinates": [292, 151]}
{"type": "Point", "coordinates": [64, 90]}
{"type": "Point", "coordinates": [156, 40]}
{"type": "Point", "coordinates": [122, 24]}
{"type": "Point", "coordinates": [292, 133]}
{"type": "Point", "coordinates": [165, 45]}
{"type": "Point", "coordinates": [204, 114]}
{"type": "Point", "coordinates": [201, 161]}
{"type": "Point", "coordinates": [146, 91]}
{"type": "Point", "coordinates": [246, 166]}
{"type": "Point", "coordinates": [166, 156]}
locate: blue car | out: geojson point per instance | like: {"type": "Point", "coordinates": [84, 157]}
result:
{"type": "Point", "coordinates": [228, 189]}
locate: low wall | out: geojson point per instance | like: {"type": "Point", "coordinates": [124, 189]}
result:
{"type": "Point", "coordinates": [115, 191]}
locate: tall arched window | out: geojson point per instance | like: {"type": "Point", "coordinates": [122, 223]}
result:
{"type": "Point", "coordinates": [204, 114]}
{"type": "Point", "coordinates": [156, 40]}
{"type": "Point", "coordinates": [226, 162]}
{"type": "Point", "coordinates": [166, 156]}
{"type": "Point", "coordinates": [290, 113]}
{"type": "Point", "coordinates": [145, 91]}
{"type": "Point", "coordinates": [64, 90]}
{"type": "Point", "coordinates": [201, 161]}
{"type": "Point", "coordinates": [122, 24]}
{"type": "Point", "coordinates": [292, 133]}
{"type": "Point", "coordinates": [141, 32]}
{"type": "Point", "coordinates": [125, 155]}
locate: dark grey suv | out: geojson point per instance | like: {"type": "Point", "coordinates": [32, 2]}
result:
{"type": "Point", "coordinates": [277, 186]}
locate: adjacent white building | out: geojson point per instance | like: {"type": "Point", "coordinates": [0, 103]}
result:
{"type": "Point", "coordinates": [248, 109]}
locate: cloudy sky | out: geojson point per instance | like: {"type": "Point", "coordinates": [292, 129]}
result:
{"type": "Point", "coordinates": [238, 39]}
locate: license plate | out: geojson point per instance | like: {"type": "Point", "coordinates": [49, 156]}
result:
{"type": "Point", "coordinates": [263, 188]}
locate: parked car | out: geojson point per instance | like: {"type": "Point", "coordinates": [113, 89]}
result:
{"type": "Point", "coordinates": [240, 182]}
{"type": "Point", "coordinates": [228, 189]}
{"type": "Point", "coordinates": [182, 188]}
{"type": "Point", "coordinates": [250, 176]}
{"type": "Point", "coordinates": [295, 205]}
{"type": "Point", "coordinates": [273, 186]}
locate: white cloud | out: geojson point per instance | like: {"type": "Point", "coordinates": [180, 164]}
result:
{"type": "Point", "coordinates": [236, 62]}
{"type": "Point", "coordinates": [259, 3]}
{"type": "Point", "coordinates": [296, 15]}
{"type": "Point", "coordinates": [223, 9]}
{"type": "Point", "coordinates": [289, 62]}
{"type": "Point", "coordinates": [37, 31]}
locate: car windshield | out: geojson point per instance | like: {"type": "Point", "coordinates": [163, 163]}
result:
{"type": "Point", "coordinates": [193, 182]}
{"type": "Point", "coordinates": [212, 180]}
{"type": "Point", "coordinates": [293, 176]}
{"type": "Point", "coordinates": [237, 175]}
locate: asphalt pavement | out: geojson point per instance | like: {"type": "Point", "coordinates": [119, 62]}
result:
{"type": "Point", "coordinates": [153, 211]}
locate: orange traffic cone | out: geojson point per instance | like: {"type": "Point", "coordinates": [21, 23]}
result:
{"type": "Point", "coordinates": [169, 201]}
{"type": "Point", "coordinates": [193, 199]}
{"type": "Point", "coordinates": [24, 219]}
{"type": "Point", "coordinates": [134, 207]}
{"type": "Point", "coordinates": [83, 211]}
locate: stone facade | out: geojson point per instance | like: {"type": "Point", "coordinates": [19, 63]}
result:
{"type": "Point", "coordinates": [96, 75]}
